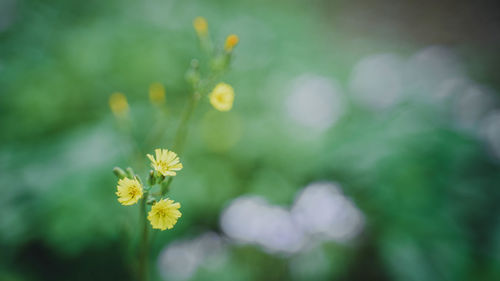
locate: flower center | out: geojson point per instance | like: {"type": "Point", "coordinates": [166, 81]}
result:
{"type": "Point", "coordinates": [161, 213]}
{"type": "Point", "coordinates": [133, 191]}
{"type": "Point", "coordinates": [163, 165]}
{"type": "Point", "coordinates": [221, 98]}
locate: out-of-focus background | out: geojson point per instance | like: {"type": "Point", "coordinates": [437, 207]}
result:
{"type": "Point", "coordinates": [364, 142]}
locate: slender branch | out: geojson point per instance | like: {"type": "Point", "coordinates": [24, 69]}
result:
{"type": "Point", "coordinates": [180, 136]}
{"type": "Point", "coordinates": [178, 146]}
{"type": "Point", "coordinates": [166, 187]}
{"type": "Point", "coordinates": [143, 256]}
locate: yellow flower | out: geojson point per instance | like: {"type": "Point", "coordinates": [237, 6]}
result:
{"type": "Point", "coordinates": [231, 42]}
{"type": "Point", "coordinates": [164, 214]}
{"type": "Point", "coordinates": [118, 104]}
{"type": "Point", "coordinates": [201, 26]}
{"type": "Point", "coordinates": [129, 191]}
{"type": "Point", "coordinates": [157, 93]}
{"type": "Point", "coordinates": [166, 162]}
{"type": "Point", "coordinates": [222, 97]}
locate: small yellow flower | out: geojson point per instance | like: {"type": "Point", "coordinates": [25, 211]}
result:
{"type": "Point", "coordinates": [231, 42]}
{"type": "Point", "coordinates": [129, 191]}
{"type": "Point", "coordinates": [201, 26]}
{"type": "Point", "coordinates": [164, 214]}
{"type": "Point", "coordinates": [166, 162]}
{"type": "Point", "coordinates": [222, 97]}
{"type": "Point", "coordinates": [118, 104]}
{"type": "Point", "coordinates": [157, 93]}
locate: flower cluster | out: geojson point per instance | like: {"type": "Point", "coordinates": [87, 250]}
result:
{"type": "Point", "coordinates": [152, 193]}
{"type": "Point", "coordinates": [222, 95]}
{"type": "Point", "coordinates": [164, 211]}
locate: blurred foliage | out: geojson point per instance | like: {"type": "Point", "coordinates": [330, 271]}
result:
{"type": "Point", "coordinates": [429, 192]}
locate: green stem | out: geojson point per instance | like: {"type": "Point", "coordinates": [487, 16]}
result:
{"type": "Point", "coordinates": [180, 137]}
{"type": "Point", "coordinates": [143, 255]}
{"type": "Point", "coordinates": [165, 187]}
{"type": "Point", "coordinates": [181, 133]}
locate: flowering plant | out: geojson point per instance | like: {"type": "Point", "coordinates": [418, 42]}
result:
{"type": "Point", "coordinates": [164, 212]}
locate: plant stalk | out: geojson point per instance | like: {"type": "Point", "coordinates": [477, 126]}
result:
{"type": "Point", "coordinates": [181, 133]}
{"type": "Point", "coordinates": [144, 249]}
{"type": "Point", "coordinates": [180, 138]}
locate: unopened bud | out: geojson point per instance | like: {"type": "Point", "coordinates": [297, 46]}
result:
{"type": "Point", "coordinates": [151, 178]}
{"type": "Point", "coordinates": [193, 74]}
{"type": "Point", "coordinates": [119, 173]}
{"type": "Point", "coordinates": [130, 173]}
{"type": "Point", "coordinates": [157, 93]}
{"type": "Point", "coordinates": [138, 179]}
{"type": "Point", "coordinates": [118, 104]}
{"type": "Point", "coordinates": [200, 26]}
{"type": "Point", "coordinates": [231, 41]}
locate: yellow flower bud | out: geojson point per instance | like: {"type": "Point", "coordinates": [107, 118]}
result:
{"type": "Point", "coordinates": [157, 93]}
{"type": "Point", "coordinates": [231, 42]}
{"type": "Point", "coordinates": [201, 26]}
{"type": "Point", "coordinates": [118, 104]}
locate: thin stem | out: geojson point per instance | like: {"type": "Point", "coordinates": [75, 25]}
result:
{"type": "Point", "coordinates": [158, 130]}
{"type": "Point", "coordinates": [166, 187]}
{"type": "Point", "coordinates": [181, 133]}
{"type": "Point", "coordinates": [179, 141]}
{"type": "Point", "coordinates": [143, 256]}
{"type": "Point", "coordinates": [180, 137]}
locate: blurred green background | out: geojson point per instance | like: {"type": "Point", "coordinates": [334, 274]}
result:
{"type": "Point", "coordinates": [364, 142]}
